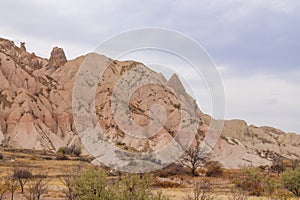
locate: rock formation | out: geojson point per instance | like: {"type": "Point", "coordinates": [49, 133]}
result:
{"type": "Point", "coordinates": [22, 46]}
{"type": "Point", "coordinates": [36, 110]}
{"type": "Point", "coordinates": [57, 58]}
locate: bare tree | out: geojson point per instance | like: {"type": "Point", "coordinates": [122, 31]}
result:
{"type": "Point", "coordinates": [38, 186]}
{"type": "Point", "coordinates": [68, 179]}
{"type": "Point", "coordinates": [202, 191]}
{"type": "Point", "coordinates": [12, 185]}
{"type": "Point", "coordinates": [68, 182]}
{"type": "Point", "coordinates": [193, 158]}
{"type": "Point", "coordinates": [3, 189]}
{"type": "Point", "coordinates": [23, 176]}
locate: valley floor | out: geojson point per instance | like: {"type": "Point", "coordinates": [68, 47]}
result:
{"type": "Point", "coordinates": [46, 162]}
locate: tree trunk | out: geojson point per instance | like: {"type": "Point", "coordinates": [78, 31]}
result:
{"type": "Point", "coordinates": [193, 171]}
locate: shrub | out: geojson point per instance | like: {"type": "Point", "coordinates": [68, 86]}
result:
{"type": "Point", "coordinates": [201, 191]}
{"type": "Point", "coordinates": [64, 150]}
{"type": "Point", "coordinates": [92, 185]}
{"type": "Point", "coordinates": [135, 187]}
{"type": "Point", "coordinates": [270, 185]}
{"type": "Point", "coordinates": [281, 194]}
{"type": "Point", "coordinates": [278, 165]}
{"type": "Point", "coordinates": [250, 180]}
{"type": "Point", "coordinates": [291, 181]}
{"type": "Point", "coordinates": [274, 189]}
{"type": "Point", "coordinates": [238, 194]}
{"type": "Point", "coordinates": [47, 158]}
{"type": "Point", "coordinates": [168, 183]}
{"type": "Point", "coordinates": [295, 163]}
{"type": "Point", "coordinates": [77, 151]}
{"type": "Point", "coordinates": [33, 157]}
{"type": "Point", "coordinates": [214, 169]}
{"type": "Point", "coordinates": [62, 157]}
{"type": "Point", "coordinates": [72, 150]}
{"type": "Point", "coordinates": [171, 170]}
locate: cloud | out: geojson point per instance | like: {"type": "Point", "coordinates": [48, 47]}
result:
{"type": "Point", "coordinates": [255, 44]}
{"type": "Point", "coordinates": [264, 99]}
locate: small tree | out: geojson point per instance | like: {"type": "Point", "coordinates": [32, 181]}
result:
{"type": "Point", "coordinates": [22, 175]}
{"type": "Point", "coordinates": [12, 185]}
{"type": "Point", "coordinates": [38, 186]}
{"type": "Point", "coordinates": [193, 158]}
{"type": "Point", "coordinates": [91, 184]}
{"type": "Point", "coordinates": [3, 189]}
{"type": "Point", "coordinates": [291, 181]}
{"type": "Point", "coordinates": [68, 182]}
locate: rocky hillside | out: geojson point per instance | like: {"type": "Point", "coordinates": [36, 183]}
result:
{"type": "Point", "coordinates": [36, 110]}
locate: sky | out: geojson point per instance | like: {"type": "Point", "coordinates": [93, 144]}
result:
{"type": "Point", "coordinates": [254, 44]}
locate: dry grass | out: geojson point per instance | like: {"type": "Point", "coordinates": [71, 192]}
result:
{"type": "Point", "coordinates": [39, 162]}
{"type": "Point", "coordinates": [179, 194]}
{"type": "Point", "coordinates": [174, 184]}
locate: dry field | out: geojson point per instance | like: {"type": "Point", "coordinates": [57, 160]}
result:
{"type": "Point", "coordinates": [40, 162]}
{"type": "Point", "coordinates": [45, 162]}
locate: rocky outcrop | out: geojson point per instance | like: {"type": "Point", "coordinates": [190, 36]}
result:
{"type": "Point", "coordinates": [57, 58]}
{"type": "Point", "coordinates": [22, 46]}
{"type": "Point", "coordinates": [243, 145]}
{"type": "Point", "coordinates": [36, 110]}
{"type": "Point", "coordinates": [29, 115]}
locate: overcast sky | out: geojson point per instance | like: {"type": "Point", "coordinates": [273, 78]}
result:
{"type": "Point", "coordinates": [255, 44]}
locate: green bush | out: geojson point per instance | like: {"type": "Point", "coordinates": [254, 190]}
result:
{"type": "Point", "coordinates": [270, 184]}
{"type": "Point", "coordinates": [92, 185]}
{"type": "Point", "coordinates": [291, 181]}
{"type": "Point", "coordinates": [63, 150]}
{"type": "Point", "coordinates": [250, 180]}
{"type": "Point", "coordinates": [134, 187]}
{"type": "Point", "coordinates": [72, 150]}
